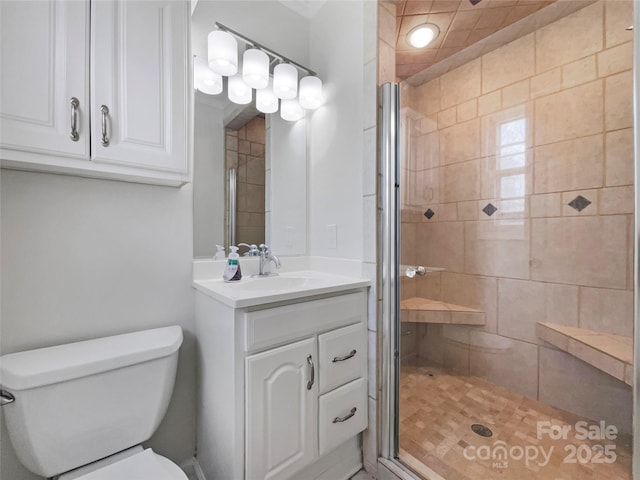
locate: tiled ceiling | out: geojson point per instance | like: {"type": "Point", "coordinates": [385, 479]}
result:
{"type": "Point", "coordinates": [460, 22]}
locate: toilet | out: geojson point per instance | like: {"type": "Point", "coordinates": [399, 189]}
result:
{"type": "Point", "coordinates": [80, 411]}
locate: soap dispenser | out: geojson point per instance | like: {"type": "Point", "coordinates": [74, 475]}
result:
{"type": "Point", "coordinates": [232, 272]}
{"type": "Point", "coordinates": [219, 253]}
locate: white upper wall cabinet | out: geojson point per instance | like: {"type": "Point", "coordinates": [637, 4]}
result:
{"type": "Point", "coordinates": [126, 63]}
{"type": "Point", "coordinates": [45, 64]}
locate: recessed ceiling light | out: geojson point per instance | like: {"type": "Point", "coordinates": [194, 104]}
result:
{"type": "Point", "coordinates": [422, 35]}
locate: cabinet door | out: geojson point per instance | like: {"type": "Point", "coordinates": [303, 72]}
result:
{"type": "Point", "coordinates": [281, 411]}
{"type": "Point", "coordinates": [44, 64]}
{"type": "Point", "coordinates": [139, 72]}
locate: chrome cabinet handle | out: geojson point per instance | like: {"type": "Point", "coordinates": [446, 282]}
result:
{"type": "Point", "coordinates": [75, 103]}
{"type": "Point", "coordinates": [346, 417]}
{"type": "Point", "coordinates": [312, 374]}
{"type": "Point", "coordinates": [346, 357]}
{"type": "Point", "coordinates": [105, 113]}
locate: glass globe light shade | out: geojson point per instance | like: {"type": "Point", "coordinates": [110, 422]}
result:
{"type": "Point", "coordinates": [222, 53]}
{"type": "Point", "coordinates": [255, 68]}
{"type": "Point", "coordinates": [310, 92]}
{"type": "Point", "coordinates": [266, 101]}
{"type": "Point", "coordinates": [238, 91]}
{"type": "Point", "coordinates": [204, 79]}
{"type": "Point", "coordinates": [291, 110]}
{"type": "Point", "coordinates": [285, 81]}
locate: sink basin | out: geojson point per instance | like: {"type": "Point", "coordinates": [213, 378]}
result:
{"type": "Point", "coordinates": [274, 283]}
{"type": "Point", "coordinates": [287, 286]}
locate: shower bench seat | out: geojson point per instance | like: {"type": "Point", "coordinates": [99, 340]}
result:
{"type": "Point", "coordinates": [424, 310]}
{"type": "Point", "coordinates": [613, 354]}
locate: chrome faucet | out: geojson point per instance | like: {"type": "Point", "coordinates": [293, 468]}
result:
{"type": "Point", "coordinates": [265, 257]}
{"type": "Point", "coordinates": [252, 252]}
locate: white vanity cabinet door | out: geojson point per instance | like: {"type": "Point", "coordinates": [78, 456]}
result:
{"type": "Point", "coordinates": [140, 74]}
{"type": "Point", "coordinates": [44, 64]}
{"type": "Point", "coordinates": [281, 410]}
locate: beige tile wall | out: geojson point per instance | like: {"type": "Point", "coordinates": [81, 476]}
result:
{"type": "Point", "coordinates": [528, 128]}
{"type": "Point", "coordinates": [245, 151]}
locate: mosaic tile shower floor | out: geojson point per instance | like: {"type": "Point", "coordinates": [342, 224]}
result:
{"type": "Point", "coordinates": [437, 409]}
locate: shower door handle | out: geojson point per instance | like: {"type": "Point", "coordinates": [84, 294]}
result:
{"type": "Point", "coordinates": [412, 271]}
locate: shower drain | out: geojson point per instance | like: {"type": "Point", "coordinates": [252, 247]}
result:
{"type": "Point", "coordinates": [481, 430]}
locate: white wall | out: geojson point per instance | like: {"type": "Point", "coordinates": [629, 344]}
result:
{"type": "Point", "coordinates": [335, 187]}
{"type": "Point", "coordinates": [84, 258]}
{"type": "Point", "coordinates": [208, 178]}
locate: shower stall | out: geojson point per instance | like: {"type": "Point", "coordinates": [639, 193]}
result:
{"type": "Point", "coordinates": [508, 258]}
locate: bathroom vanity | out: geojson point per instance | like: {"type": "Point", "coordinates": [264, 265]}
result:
{"type": "Point", "coordinates": [282, 375]}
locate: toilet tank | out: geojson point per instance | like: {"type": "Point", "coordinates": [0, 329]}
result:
{"type": "Point", "coordinates": [80, 402]}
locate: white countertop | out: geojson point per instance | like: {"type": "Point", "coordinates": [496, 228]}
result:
{"type": "Point", "coordinates": [287, 285]}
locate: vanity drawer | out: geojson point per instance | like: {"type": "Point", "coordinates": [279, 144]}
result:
{"type": "Point", "coordinates": [342, 355]}
{"type": "Point", "coordinates": [273, 326]}
{"type": "Point", "coordinates": [342, 413]}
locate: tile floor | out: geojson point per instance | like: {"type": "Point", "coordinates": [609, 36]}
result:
{"type": "Point", "coordinates": [437, 409]}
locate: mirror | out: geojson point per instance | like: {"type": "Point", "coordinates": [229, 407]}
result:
{"type": "Point", "coordinates": [266, 155]}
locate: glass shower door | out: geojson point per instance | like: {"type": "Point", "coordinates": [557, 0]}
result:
{"type": "Point", "coordinates": [508, 279]}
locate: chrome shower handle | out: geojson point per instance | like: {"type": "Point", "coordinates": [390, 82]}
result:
{"type": "Point", "coordinates": [412, 271]}
{"type": "Point", "coordinates": [75, 103]}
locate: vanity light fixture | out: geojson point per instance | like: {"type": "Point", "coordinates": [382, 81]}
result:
{"type": "Point", "coordinates": [223, 59]}
{"type": "Point", "coordinates": [422, 35]}
{"type": "Point", "coordinates": [222, 53]}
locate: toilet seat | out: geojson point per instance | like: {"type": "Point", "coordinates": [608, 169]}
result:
{"type": "Point", "coordinates": [146, 465]}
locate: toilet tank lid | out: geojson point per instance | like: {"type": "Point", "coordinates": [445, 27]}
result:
{"type": "Point", "coordinates": [44, 366]}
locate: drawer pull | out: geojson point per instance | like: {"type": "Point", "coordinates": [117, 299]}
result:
{"type": "Point", "coordinates": [352, 353]}
{"type": "Point", "coordinates": [312, 374]}
{"type": "Point", "coordinates": [346, 417]}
